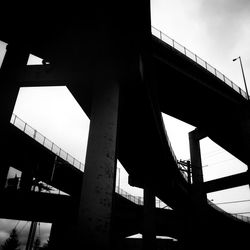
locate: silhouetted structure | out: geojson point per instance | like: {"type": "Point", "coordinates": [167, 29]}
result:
{"type": "Point", "coordinates": [12, 243]}
{"type": "Point", "coordinates": [123, 78]}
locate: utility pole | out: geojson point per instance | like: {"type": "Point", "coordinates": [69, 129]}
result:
{"type": "Point", "coordinates": [31, 236]}
{"type": "Point", "coordinates": [189, 172]}
{"type": "Point", "coordinates": [119, 178]}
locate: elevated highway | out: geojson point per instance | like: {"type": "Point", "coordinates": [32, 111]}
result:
{"type": "Point", "coordinates": [127, 216]}
{"type": "Point", "coordinates": [204, 100]}
{"type": "Point", "coordinates": [119, 57]}
{"type": "Point", "coordinates": [40, 162]}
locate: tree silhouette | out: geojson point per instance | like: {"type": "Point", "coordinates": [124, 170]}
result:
{"type": "Point", "coordinates": [12, 243]}
{"type": "Point", "coordinates": [37, 244]}
{"type": "Point", "coordinates": [46, 246]}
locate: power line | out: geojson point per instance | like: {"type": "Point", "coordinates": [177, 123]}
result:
{"type": "Point", "coordinates": [24, 226]}
{"type": "Point", "coordinates": [217, 163]}
{"type": "Point", "coordinates": [242, 213]}
{"type": "Point", "coordinates": [228, 202]}
{"type": "Point", "coordinates": [212, 152]}
{"type": "Point", "coordinates": [16, 224]}
{"type": "Point", "coordinates": [212, 155]}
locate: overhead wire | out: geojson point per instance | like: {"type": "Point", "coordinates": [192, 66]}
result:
{"type": "Point", "coordinates": [242, 213]}
{"type": "Point", "coordinates": [212, 155]}
{"type": "Point", "coordinates": [16, 224]}
{"type": "Point", "coordinates": [213, 152]}
{"type": "Point", "coordinates": [228, 202]}
{"type": "Point", "coordinates": [24, 226]}
{"type": "Point", "coordinates": [217, 163]}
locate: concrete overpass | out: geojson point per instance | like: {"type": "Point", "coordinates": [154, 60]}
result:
{"type": "Point", "coordinates": [127, 217]}
{"type": "Point", "coordinates": [119, 75]}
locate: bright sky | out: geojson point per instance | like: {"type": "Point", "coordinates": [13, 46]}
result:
{"type": "Point", "coordinates": [217, 31]}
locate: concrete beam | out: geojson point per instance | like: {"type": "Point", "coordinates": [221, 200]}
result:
{"type": "Point", "coordinates": [34, 206]}
{"type": "Point", "coordinates": [198, 133]}
{"type": "Point", "coordinates": [198, 194]}
{"type": "Point", "coordinates": [45, 75]}
{"type": "Point", "coordinates": [14, 61]}
{"type": "Point", "coordinates": [195, 156]}
{"type": "Point", "coordinates": [227, 182]}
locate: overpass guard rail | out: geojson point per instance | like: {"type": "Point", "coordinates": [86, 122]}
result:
{"type": "Point", "coordinates": [165, 38]}
{"type": "Point", "coordinates": [27, 129]}
{"type": "Point", "coordinates": [23, 126]}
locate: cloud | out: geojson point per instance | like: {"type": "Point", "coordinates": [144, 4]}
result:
{"type": "Point", "coordinates": [6, 225]}
{"type": "Point", "coordinates": [225, 21]}
{"type": "Point", "coordinates": [3, 236]}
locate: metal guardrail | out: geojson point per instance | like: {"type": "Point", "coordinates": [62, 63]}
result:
{"type": "Point", "coordinates": [27, 129]}
{"type": "Point", "coordinates": [138, 199]}
{"type": "Point", "coordinates": [180, 167]}
{"type": "Point", "coordinates": [135, 199]}
{"type": "Point", "coordinates": [165, 38]}
{"type": "Point", "coordinates": [242, 217]}
{"type": "Point", "coordinates": [237, 216]}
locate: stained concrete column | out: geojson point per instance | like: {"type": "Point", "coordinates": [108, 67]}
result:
{"type": "Point", "coordinates": [198, 195]}
{"type": "Point", "coordinates": [198, 191]}
{"type": "Point", "coordinates": [59, 232]}
{"type": "Point", "coordinates": [195, 155]}
{"type": "Point", "coordinates": [26, 180]}
{"type": "Point", "coordinates": [95, 207]}
{"type": "Point", "coordinates": [149, 220]}
{"type": "Point", "coordinates": [15, 60]}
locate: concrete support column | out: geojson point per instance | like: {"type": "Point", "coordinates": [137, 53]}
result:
{"type": "Point", "coordinates": [31, 236]}
{"type": "Point", "coordinates": [195, 156]}
{"type": "Point", "coordinates": [26, 180]}
{"type": "Point", "coordinates": [198, 195]}
{"type": "Point", "coordinates": [55, 234]}
{"type": "Point", "coordinates": [15, 59]}
{"type": "Point", "coordinates": [149, 230]}
{"type": "Point", "coordinates": [95, 207]}
{"type": "Point", "coordinates": [4, 169]}
{"type": "Point", "coordinates": [196, 164]}
{"type": "Point", "coordinates": [59, 232]}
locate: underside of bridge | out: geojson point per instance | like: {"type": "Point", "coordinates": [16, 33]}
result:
{"type": "Point", "coordinates": [123, 79]}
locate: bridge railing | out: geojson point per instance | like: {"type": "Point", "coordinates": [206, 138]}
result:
{"type": "Point", "coordinates": [27, 129]}
{"type": "Point", "coordinates": [138, 199]}
{"type": "Point", "coordinates": [238, 216]}
{"type": "Point", "coordinates": [184, 173]}
{"type": "Point", "coordinates": [135, 199]}
{"type": "Point", "coordinates": [242, 217]}
{"type": "Point", "coordinates": [165, 38]}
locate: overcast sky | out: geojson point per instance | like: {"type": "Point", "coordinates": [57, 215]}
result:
{"type": "Point", "coordinates": [217, 31]}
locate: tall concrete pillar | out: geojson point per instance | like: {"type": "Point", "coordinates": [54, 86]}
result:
{"type": "Point", "coordinates": [198, 196]}
{"type": "Point", "coordinates": [195, 156]}
{"type": "Point", "coordinates": [59, 232]}
{"type": "Point", "coordinates": [26, 180]}
{"type": "Point", "coordinates": [15, 60]}
{"type": "Point", "coordinates": [4, 169]}
{"type": "Point", "coordinates": [149, 220]}
{"type": "Point", "coordinates": [95, 207]}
